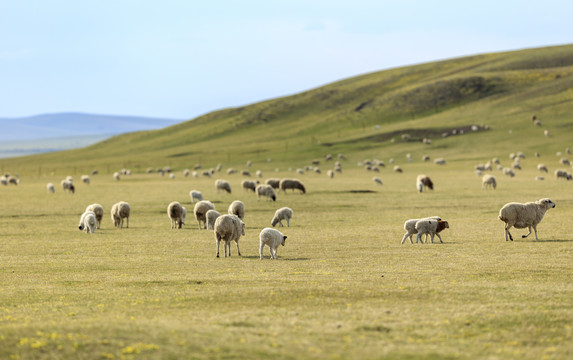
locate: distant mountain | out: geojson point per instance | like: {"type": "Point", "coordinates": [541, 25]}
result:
{"type": "Point", "coordinates": [76, 124]}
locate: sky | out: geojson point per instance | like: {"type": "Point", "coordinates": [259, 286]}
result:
{"type": "Point", "coordinates": [180, 59]}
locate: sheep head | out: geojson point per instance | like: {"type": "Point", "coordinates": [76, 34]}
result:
{"type": "Point", "coordinates": [545, 203]}
{"type": "Point", "coordinates": [284, 240]}
{"type": "Point", "coordinates": [442, 224]}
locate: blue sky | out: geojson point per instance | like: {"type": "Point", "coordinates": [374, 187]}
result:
{"type": "Point", "coordinates": [183, 58]}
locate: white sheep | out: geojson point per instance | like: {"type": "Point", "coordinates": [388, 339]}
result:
{"type": "Point", "coordinates": [424, 181]}
{"type": "Point", "coordinates": [509, 172]}
{"type": "Point", "coordinates": [440, 161]}
{"type": "Point", "coordinates": [330, 174]}
{"type": "Point", "coordinates": [50, 187]}
{"type": "Point", "coordinates": [211, 216]}
{"type": "Point", "coordinates": [560, 173]}
{"type": "Point", "coordinates": [397, 168]}
{"type": "Point", "coordinates": [88, 222]}
{"type": "Point", "coordinates": [117, 176]}
{"type": "Point", "coordinates": [284, 213]}
{"type": "Point", "coordinates": [200, 212]}
{"type": "Point", "coordinates": [249, 185]}
{"type": "Point", "coordinates": [265, 190]}
{"type": "Point", "coordinates": [271, 238]}
{"type": "Point", "coordinates": [410, 227]}
{"type": "Point", "coordinates": [293, 184]}
{"type": "Point", "coordinates": [68, 185]}
{"type": "Point", "coordinates": [97, 209]}
{"type": "Point", "coordinates": [237, 208]}
{"type": "Point", "coordinates": [488, 181]}
{"type": "Point", "coordinates": [195, 195]}
{"type": "Point", "coordinates": [86, 179]}
{"type": "Point", "coordinates": [120, 211]}
{"type": "Point", "coordinates": [222, 185]}
{"type": "Point", "coordinates": [527, 215]}
{"type": "Point", "coordinates": [177, 214]}
{"type": "Point", "coordinates": [542, 167]}
{"type": "Point", "coordinates": [228, 228]}
{"type": "Point", "coordinates": [431, 227]}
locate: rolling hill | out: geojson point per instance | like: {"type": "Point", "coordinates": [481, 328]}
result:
{"type": "Point", "coordinates": [382, 114]}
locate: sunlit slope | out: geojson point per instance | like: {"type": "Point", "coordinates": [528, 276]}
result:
{"type": "Point", "coordinates": [361, 115]}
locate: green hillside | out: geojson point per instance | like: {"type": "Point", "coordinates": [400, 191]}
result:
{"type": "Point", "coordinates": [363, 116]}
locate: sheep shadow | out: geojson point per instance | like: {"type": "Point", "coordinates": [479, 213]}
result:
{"type": "Point", "coordinates": [549, 241]}
{"type": "Point", "coordinates": [280, 258]}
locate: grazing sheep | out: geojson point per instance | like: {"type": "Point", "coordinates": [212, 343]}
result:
{"type": "Point", "coordinates": [117, 176]}
{"type": "Point", "coordinates": [266, 190]}
{"type": "Point", "coordinates": [231, 171]}
{"type": "Point", "coordinates": [259, 173]}
{"type": "Point", "coordinates": [330, 174]}
{"type": "Point", "coordinates": [424, 181]}
{"type": "Point", "coordinates": [273, 182]}
{"type": "Point", "coordinates": [186, 172]}
{"type": "Point", "coordinates": [97, 209]}
{"type": "Point", "coordinates": [200, 212]}
{"type": "Point", "coordinates": [546, 133]}
{"type": "Point", "coordinates": [410, 227]}
{"type": "Point", "coordinates": [249, 185]}
{"type": "Point", "coordinates": [245, 173]}
{"type": "Point", "coordinates": [292, 184]}
{"type": "Point", "coordinates": [229, 228]}
{"type": "Point", "coordinates": [177, 214]}
{"type": "Point", "coordinates": [222, 185]}
{"type": "Point", "coordinates": [377, 180]}
{"type": "Point", "coordinates": [195, 195]}
{"type": "Point", "coordinates": [68, 185]}
{"type": "Point", "coordinates": [119, 212]}
{"type": "Point", "coordinates": [526, 215]}
{"type": "Point", "coordinates": [542, 167]}
{"type": "Point", "coordinates": [50, 187]}
{"type": "Point", "coordinates": [237, 208]}
{"type": "Point", "coordinates": [281, 214]}
{"type": "Point", "coordinates": [488, 181]}
{"type": "Point", "coordinates": [509, 172]}
{"type": "Point", "coordinates": [431, 227]}
{"type": "Point", "coordinates": [560, 173]}
{"type": "Point", "coordinates": [88, 222]}
{"type": "Point", "coordinates": [4, 180]}
{"type": "Point", "coordinates": [86, 179]}
{"type": "Point", "coordinates": [440, 161]}
{"type": "Point", "coordinates": [211, 216]}
{"type": "Point", "coordinates": [565, 161]}
{"type": "Point", "coordinates": [397, 168]}
{"type": "Point", "coordinates": [272, 238]}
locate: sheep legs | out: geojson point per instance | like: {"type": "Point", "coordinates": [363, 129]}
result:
{"type": "Point", "coordinates": [238, 250]}
{"type": "Point", "coordinates": [508, 233]}
{"type": "Point", "coordinates": [261, 251]}
{"type": "Point", "coordinates": [405, 236]}
{"type": "Point", "coordinates": [529, 233]}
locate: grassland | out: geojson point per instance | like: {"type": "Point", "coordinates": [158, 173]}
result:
{"type": "Point", "coordinates": [343, 286]}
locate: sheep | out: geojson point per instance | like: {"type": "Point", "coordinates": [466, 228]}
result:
{"type": "Point", "coordinates": [237, 208]}
{"type": "Point", "coordinates": [330, 174]}
{"type": "Point", "coordinates": [272, 238]}
{"type": "Point", "coordinates": [50, 187]}
{"type": "Point", "coordinates": [4, 180]}
{"type": "Point", "coordinates": [273, 182]}
{"type": "Point", "coordinates": [186, 172]}
{"type": "Point", "coordinates": [222, 185]}
{"type": "Point", "coordinates": [440, 161]}
{"type": "Point", "coordinates": [249, 185]}
{"type": "Point", "coordinates": [228, 228]}
{"type": "Point", "coordinates": [88, 222]}
{"type": "Point", "coordinates": [542, 167]}
{"type": "Point", "coordinates": [245, 173]}
{"type": "Point", "coordinates": [231, 171]}
{"type": "Point", "coordinates": [397, 168]}
{"type": "Point", "coordinates": [284, 213]}
{"type": "Point", "coordinates": [488, 181]}
{"type": "Point", "coordinates": [211, 216]}
{"type": "Point", "coordinates": [377, 180]}
{"type": "Point", "coordinates": [97, 209]}
{"type": "Point", "coordinates": [119, 212]}
{"type": "Point", "coordinates": [522, 216]}
{"type": "Point", "coordinates": [410, 227]}
{"type": "Point", "coordinates": [265, 190]}
{"type": "Point", "coordinates": [424, 181]}
{"type": "Point", "coordinates": [565, 161]}
{"type": "Point", "coordinates": [195, 195]}
{"type": "Point", "coordinates": [560, 173]}
{"type": "Point", "coordinates": [292, 184]}
{"type": "Point", "coordinates": [509, 172]}
{"type": "Point", "coordinates": [431, 227]}
{"type": "Point", "coordinates": [177, 214]}
{"type": "Point", "coordinates": [68, 185]}
{"type": "Point", "coordinates": [259, 173]}
{"type": "Point", "coordinates": [86, 179]}
{"type": "Point", "coordinates": [200, 211]}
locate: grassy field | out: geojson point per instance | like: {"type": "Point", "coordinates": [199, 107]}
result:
{"type": "Point", "coordinates": [342, 287]}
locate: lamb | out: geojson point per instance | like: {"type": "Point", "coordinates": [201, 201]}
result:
{"type": "Point", "coordinates": [195, 195]}
{"type": "Point", "coordinates": [292, 184]}
{"type": "Point", "coordinates": [228, 228]}
{"type": "Point", "coordinates": [272, 238]}
{"type": "Point", "coordinates": [542, 167]}
{"type": "Point", "coordinates": [68, 185]}
{"type": "Point", "coordinates": [119, 212]}
{"type": "Point", "coordinates": [222, 185]}
{"type": "Point", "coordinates": [526, 215]}
{"type": "Point", "coordinates": [211, 216]}
{"type": "Point", "coordinates": [424, 181]}
{"type": "Point", "coordinates": [237, 208]}
{"type": "Point", "coordinates": [177, 214]}
{"type": "Point", "coordinates": [249, 185]}
{"type": "Point", "coordinates": [488, 181]}
{"type": "Point", "coordinates": [50, 187]}
{"type": "Point", "coordinates": [284, 213]}
{"type": "Point", "coordinates": [431, 227]}
{"type": "Point", "coordinates": [200, 212]}
{"type": "Point", "coordinates": [88, 222]}
{"type": "Point", "coordinates": [563, 174]}
{"type": "Point", "coordinates": [274, 183]}
{"type": "Point", "coordinates": [410, 227]}
{"type": "Point", "coordinates": [265, 190]}
{"type": "Point", "coordinates": [97, 209]}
